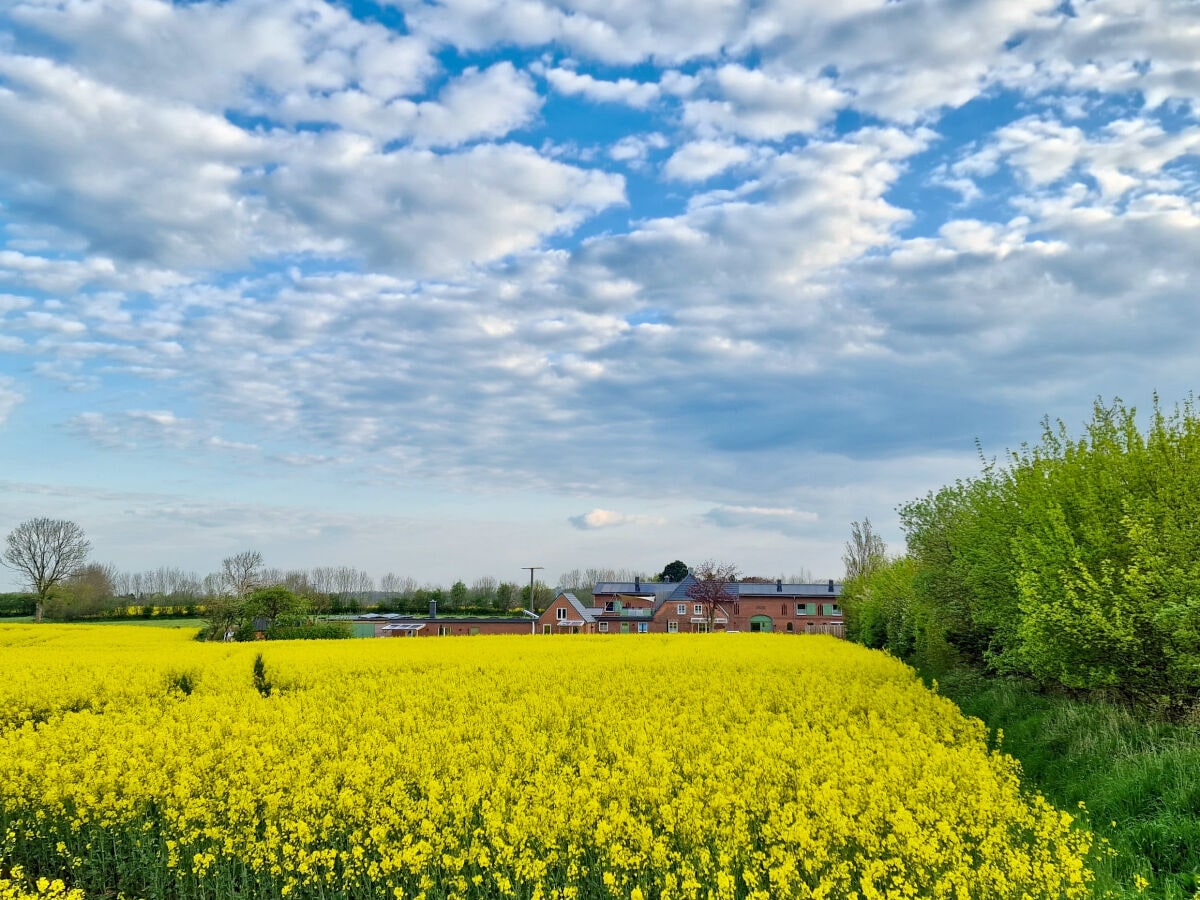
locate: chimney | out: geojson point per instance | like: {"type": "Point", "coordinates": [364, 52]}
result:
{"type": "Point", "coordinates": [831, 585]}
{"type": "Point", "coordinates": [433, 607]}
{"type": "Point", "coordinates": [637, 582]}
{"type": "Point", "coordinates": [779, 585]}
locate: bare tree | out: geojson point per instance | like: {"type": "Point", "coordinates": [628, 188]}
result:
{"type": "Point", "coordinates": [394, 585]}
{"type": "Point", "coordinates": [240, 573]}
{"type": "Point", "coordinates": [46, 552]}
{"type": "Point", "coordinates": [712, 587]}
{"type": "Point", "coordinates": [483, 591]}
{"type": "Point", "coordinates": [865, 551]}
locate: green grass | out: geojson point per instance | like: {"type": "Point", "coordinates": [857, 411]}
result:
{"type": "Point", "coordinates": [1139, 778]}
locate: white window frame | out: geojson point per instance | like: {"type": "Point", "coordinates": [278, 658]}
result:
{"type": "Point", "coordinates": [672, 626]}
{"type": "Point", "coordinates": [698, 609]}
{"type": "Point", "coordinates": [602, 627]}
{"type": "Point", "coordinates": [643, 627]}
{"type": "Point", "coordinates": [443, 630]}
{"type": "Point", "coordinates": [561, 613]}
{"type": "Point", "coordinates": [681, 609]}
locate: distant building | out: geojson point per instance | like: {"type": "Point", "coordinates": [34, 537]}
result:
{"type": "Point", "coordinates": [637, 607]}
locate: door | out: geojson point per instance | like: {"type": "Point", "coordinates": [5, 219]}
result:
{"type": "Point", "coordinates": [760, 623]}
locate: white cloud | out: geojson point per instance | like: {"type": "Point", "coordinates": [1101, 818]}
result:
{"type": "Point", "coordinates": [700, 160]}
{"type": "Point", "coordinates": [606, 518]}
{"type": "Point", "coordinates": [667, 30]}
{"type": "Point", "coordinates": [475, 105]}
{"type": "Point", "coordinates": [244, 54]}
{"type": "Point", "coordinates": [637, 94]}
{"type": "Point", "coordinates": [754, 104]}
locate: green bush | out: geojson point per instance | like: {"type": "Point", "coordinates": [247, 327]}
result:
{"type": "Point", "coordinates": [1077, 563]}
{"type": "Point", "coordinates": [12, 605]}
{"type": "Point", "coordinates": [315, 631]}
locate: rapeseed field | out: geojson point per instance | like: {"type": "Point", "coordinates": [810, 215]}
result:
{"type": "Point", "coordinates": [137, 763]}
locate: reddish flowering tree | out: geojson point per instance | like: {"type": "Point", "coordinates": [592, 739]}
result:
{"type": "Point", "coordinates": [712, 587]}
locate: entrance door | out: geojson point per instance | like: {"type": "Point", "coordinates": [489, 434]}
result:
{"type": "Point", "coordinates": [760, 623]}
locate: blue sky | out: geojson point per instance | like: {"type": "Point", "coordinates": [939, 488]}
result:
{"type": "Point", "coordinates": [450, 288]}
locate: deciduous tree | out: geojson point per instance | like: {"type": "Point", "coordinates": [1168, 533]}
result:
{"type": "Point", "coordinates": [46, 552]}
{"type": "Point", "coordinates": [712, 587]}
{"type": "Point", "coordinates": [241, 573]}
{"type": "Point", "coordinates": [674, 571]}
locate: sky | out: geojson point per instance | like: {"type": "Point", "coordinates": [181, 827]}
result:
{"type": "Point", "coordinates": [447, 288]}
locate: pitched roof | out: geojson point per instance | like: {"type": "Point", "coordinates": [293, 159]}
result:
{"type": "Point", "coordinates": [678, 590]}
{"type": "Point", "coordinates": [584, 612]}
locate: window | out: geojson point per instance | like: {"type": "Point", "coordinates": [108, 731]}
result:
{"type": "Point", "coordinates": [672, 626]}
{"type": "Point", "coordinates": [602, 627]}
{"type": "Point", "coordinates": [804, 609]}
{"type": "Point", "coordinates": [609, 606]}
{"type": "Point", "coordinates": [474, 629]}
{"type": "Point", "coordinates": [681, 609]}
{"type": "Point", "coordinates": [830, 609]}
{"type": "Point", "coordinates": [561, 612]}
{"type": "Point", "coordinates": [791, 626]}
{"type": "Point", "coordinates": [546, 629]}
{"type": "Point", "coordinates": [700, 627]}
{"type": "Point", "coordinates": [443, 630]}
{"type": "Point", "coordinates": [643, 627]}
{"type": "Point", "coordinates": [698, 609]}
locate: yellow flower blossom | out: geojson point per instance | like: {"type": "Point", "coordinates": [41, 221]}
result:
{"type": "Point", "coordinates": [671, 766]}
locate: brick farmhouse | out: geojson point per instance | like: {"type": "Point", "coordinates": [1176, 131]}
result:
{"type": "Point", "coordinates": [637, 607]}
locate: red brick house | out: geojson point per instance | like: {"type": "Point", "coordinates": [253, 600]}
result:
{"type": "Point", "coordinates": [665, 607]}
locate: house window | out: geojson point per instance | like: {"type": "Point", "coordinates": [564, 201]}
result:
{"type": "Point", "coordinates": [602, 627]}
{"type": "Point", "coordinates": [672, 626]}
{"type": "Point", "coordinates": [443, 630]}
{"type": "Point", "coordinates": [546, 629]}
{"type": "Point", "coordinates": [698, 609]}
{"type": "Point", "coordinates": [561, 612]}
{"type": "Point", "coordinates": [643, 627]}
{"type": "Point", "coordinates": [802, 609]}
{"type": "Point", "coordinates": [830, 609]}
{"type": "Point", "coordinates": [681, 609]}
{"type": "Point", "coordinates": [700, 627]}
{"type": "Point", "coordinates": [474, 629]}
{"type": "Point", "coordinates": [609, 606]}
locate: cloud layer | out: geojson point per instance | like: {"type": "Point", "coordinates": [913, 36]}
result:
{"type": "Point", "coordinates": [740, 256]}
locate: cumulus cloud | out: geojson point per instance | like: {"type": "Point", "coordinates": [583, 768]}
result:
{"type": "Point", "coordinates": [701, 160]}
{"type": "Point", "coordinates": [624, 90]}
{"type": "Point", "coordinates": [607, 518]}
{"type": "Point", "coordinates": [754, 104]}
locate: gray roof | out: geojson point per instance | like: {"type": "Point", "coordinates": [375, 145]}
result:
{"type": "Point", "coordinates": [584, 613]}
{"type": "Point", "coordinates": [678, 590]}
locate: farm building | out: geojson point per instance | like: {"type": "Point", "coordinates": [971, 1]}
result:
{"type": "Point", "coordinates": [638, 607]}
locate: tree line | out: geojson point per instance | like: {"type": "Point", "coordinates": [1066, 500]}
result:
{"type": "Point", "coordinates": [1074, 562]}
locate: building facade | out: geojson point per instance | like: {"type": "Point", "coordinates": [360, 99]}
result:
{"type": "Point", "coordinates": [637, 607]}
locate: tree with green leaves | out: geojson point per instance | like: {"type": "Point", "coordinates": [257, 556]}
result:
{"type": "Point", "coordinates": [674, 571]}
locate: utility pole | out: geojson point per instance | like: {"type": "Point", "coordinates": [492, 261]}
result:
{"type": "Point", "coordinates": [532, 605]}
